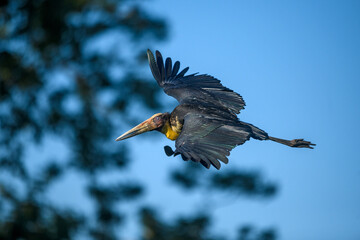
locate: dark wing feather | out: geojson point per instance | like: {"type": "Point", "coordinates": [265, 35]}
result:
{"type": "Point", "coordinates": [154, 68]}
{"type": "Point", "coordinates": [168, 66]}
{"type": "Point", "coordinates": [160, 66]}
{"type": "Point", "coordinates": [193, 88]}
{"type": "Point", "coordinates": [175, 69]}
{"type": "Point", "coordinates": [207, 140]}
{"type": "Point", "coordinates": [182, 73]}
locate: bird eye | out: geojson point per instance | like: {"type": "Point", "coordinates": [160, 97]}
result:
{"type": "Point", "coordinates": [157, 118]}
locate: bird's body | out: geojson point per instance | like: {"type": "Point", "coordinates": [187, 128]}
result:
{"type": "Point", "coordinates": [204, 125]}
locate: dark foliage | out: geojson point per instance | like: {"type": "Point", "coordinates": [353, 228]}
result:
{"type": "Point", "coordinates": [238, 182]}
{"type": "Point", "coordinates": [249, 233]}
{"type": "Point", "coordinates": [191, 228]}
{"type": "Point", "coordinates": [69, 70]}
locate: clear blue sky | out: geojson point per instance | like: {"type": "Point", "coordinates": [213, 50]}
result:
{"type": "Point", "coordinates": [297, 65]}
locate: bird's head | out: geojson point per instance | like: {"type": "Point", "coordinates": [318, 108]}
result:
{"type": "Point", "coordinates": [156, 122]}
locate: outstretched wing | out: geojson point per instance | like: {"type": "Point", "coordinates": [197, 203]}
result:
{"type": "Point", "coordinates": [208, 140]}
{"type": "Point", "coordinates": [193, 88]}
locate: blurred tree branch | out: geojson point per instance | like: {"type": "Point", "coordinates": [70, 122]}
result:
{"type": "Point", "coordinates": [69, 70]}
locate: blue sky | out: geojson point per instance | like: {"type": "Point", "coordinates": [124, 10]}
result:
{"type": "Point", "coordinates": [297, 65]}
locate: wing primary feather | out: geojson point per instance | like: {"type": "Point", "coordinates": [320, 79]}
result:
{"type": "Point", "coordinates": [168, 65]}
{"type": "Point", "coordinates": [160, 63]}
{"type": "Point", "coordinates": [182, 73]}
{"type": "Point", "coordinates": [205, 163]}
{"type": "Point", "coordinates": [204, 159]}
{"type": "Point", "coordinates": [175, 69]}
{"type": "Point", "coordinates": [153, 66]}
{"type": "Point", "coordinates": [186, 155]}
{"type": "Point", "coordinates": [224, 159]}
{"type": "Point", "coordinates": [194, 157]}
{"type": "Point", "coordinates": [220, 156]}
{"type": "Point", "coordinates": [214, 162]}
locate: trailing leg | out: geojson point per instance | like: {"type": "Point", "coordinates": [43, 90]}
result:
{"type": "Point", "coordinates": [298, 143]}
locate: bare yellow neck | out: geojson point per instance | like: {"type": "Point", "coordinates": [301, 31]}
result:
{"type": "Point", "coordinates": [170, 133]}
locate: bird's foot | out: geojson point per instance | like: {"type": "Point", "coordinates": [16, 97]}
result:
{"type": "Point", "coordinates": [300, 143]}
{"type": "Point", "coordinates": [168, 151]}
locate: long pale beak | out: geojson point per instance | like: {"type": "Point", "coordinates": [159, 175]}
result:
{"type": "Point", "coordinates": [141, 128]}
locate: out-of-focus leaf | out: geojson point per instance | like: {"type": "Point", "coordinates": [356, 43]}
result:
{"type": "Point", "coordinates": [248, 183]}
{"type": "Point", "coordinates": [52, 84]}
{"type": "Point", "coordinates": [248, 232]}
{"type": "Point", "coordinates": [193, 227]}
